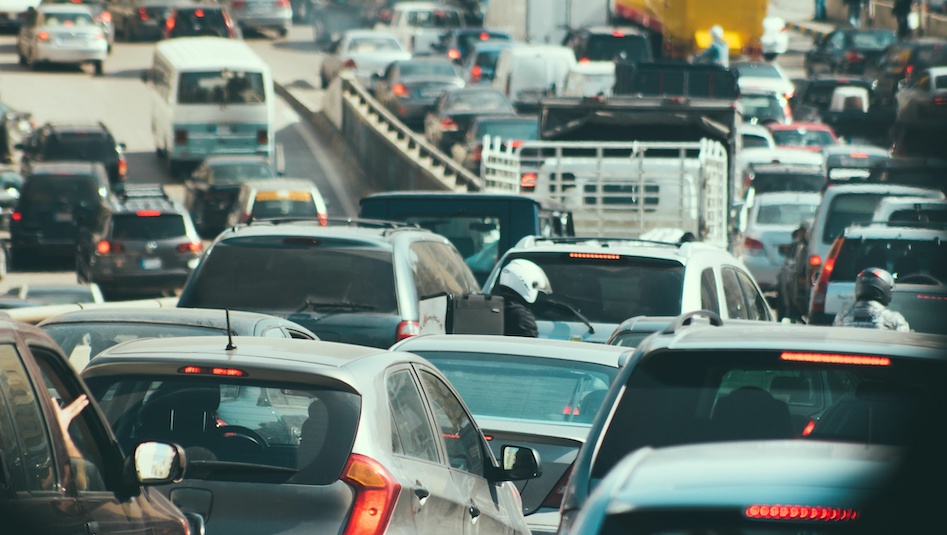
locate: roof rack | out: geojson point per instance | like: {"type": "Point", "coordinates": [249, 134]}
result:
{"type": "Point", "coordinates": [532, 241]}
{"type": "Point", "coordinates": [143, 191]}
{"type": "Point", "coordinates": [687, 319]}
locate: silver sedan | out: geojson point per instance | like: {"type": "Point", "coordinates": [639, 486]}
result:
{"type": "Point", "coordinates": [62, 34]}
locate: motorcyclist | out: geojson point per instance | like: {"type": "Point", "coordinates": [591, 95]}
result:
{"type": "Point", "coordinates": [872, 295]}
{"type": "Point", "coordinates": [718, 53]}
{"type": "Point", "coordinates": [520, 283]}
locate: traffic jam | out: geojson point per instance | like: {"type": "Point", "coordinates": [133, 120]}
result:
{"type": "Point", "coordinates": [465, 267]}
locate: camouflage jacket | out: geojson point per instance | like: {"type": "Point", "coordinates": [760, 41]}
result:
{"type": "Point", "coordinates": [872, 315]}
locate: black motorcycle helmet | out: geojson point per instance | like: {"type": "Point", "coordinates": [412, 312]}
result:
{"type": "Point", "coordinates": [874, 284]}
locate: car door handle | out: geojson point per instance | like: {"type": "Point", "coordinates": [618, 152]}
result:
{"type": "Point", "coordinates": [474, 511]}
{"type": "Point", "coordinates": [421, 492]}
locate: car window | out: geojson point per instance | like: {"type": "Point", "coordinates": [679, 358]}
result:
{"type": "Point", "coordinates": [848, 209]}
{"type": "Point", "coordinates": [307, 431]}
{"type": "Point", "coordinates": [785, 213]}
{"type": "Point", "coordinates": [95, 337]}
{"type": "Point", "coordinates": [733, 294]}
{"type": "Point", "coordinates": [899, 256]}
{"type": "Point", "coordinates": [479, 102]}
{"type": "Point", "coordinates": [517, 130]}
{"type": "Point", "coordinates": [434, 19]}
{"type": "Point", "coordinates": [873, 40]}
{"type": "Point", "coordinates": [51, 188]}
{"type": "Point", "coordinates": [634, 48]}
{"type": "Point", "coordinates": [475, 237]}
{"type": "Point", "coordinates": [756, 306]}
{"type": "Point", "coordinates": [368, 45]}
{"type": "Point", "coordinates": [803, 138]}
{"type": "Point", "coordinates": [66, 19]}
{"type": "Point", "coordinates": [411, 430]}
{"type": "Point", "coordinates": [493, 385]}
{"type": "Point", "coordinates": [758, 70]}
{"type": "Point", "coordinates": [269, 204]}
{"type": "Point", "coordinates": [85, 147]}
{"type": "Point", "coordinates": [438, 269]}
{"type": "Point", "coordinates": [427, 68]}
{"type": "Point", "coordinates": [708, 291]}
{"type": "Point", "coordinates": [930, 56]}
{"type": "Point", "coordinates": [221, 87]}
{"type": "Point", "coordinates": [151, 227]}
{"type": "Point", "coordinates": [240, 172]}
{"type": "Point", "coordinates": [26, 445]}
{"type": "Point", "coordinates": [753, 140]}
{"type": "Point", "coordinates": [940, 82]}
{"type": "Point", "coordinates": [462, 438]}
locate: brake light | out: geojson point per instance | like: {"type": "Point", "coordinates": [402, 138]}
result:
{"type": "Point", "coordinates": [800, 512]}
{"type": "Point", "coordinates": [815, 261]}
{"type": "Point", "coordinates": [169, 24]}
{"type": "Point", "coordinates": [809, 428]}
{"type": "Point", "coordinates": [476, 73]}
{"type": "Point", "coordinates": [209, 370]}
{"type": "Point", "coordinates": [834, 358]}
{"type": "Point", "coordinates": [142, 13]}
{"type": "Point", "coordinates": [17, 216]}
{"type": "Point", "coordinates": [858, 155]}
{"type": "Point", "coordinates": [349, 64]}
{"type": "Point", "coordinates": [376, 493]}
{"type": "Point", "coordinates": [595, 256]}
{"type": "Point", "coordinates": [148, 213]}
{"type": "Point", "coordinates": [262, 137]}
{"type": "Point", "coordinates": [940, 101]}
{"type": "Point", "coordinates": [43, 36]}
{"type": "Point", "coordinates": [516, 143]}
{"type": "Point", "coordinates": [199, 13]}
{"type": "Point", "coordinates": [618, 33]}
{"type": "Point", "coordinates": [323, 219]}
{"type": "Point", "coordinates": [484, 36]}
{"type": "Point", "coordinates": [908, 70]}
{"type": "Point", "coordinates": [106, 247]}
{"type": "Point", "coordinates": [554, 499]}
{"type": "Point", "coordinates": [122, 167]}
{"type": "Point", "coordinates": [448, 124]}
{"type": "Point", "coordinates": [583, 60]}
{"type": "Point", "coordinates": [240, 4]}
{"type": "Point", "coordinates": [528, 181]}
{"type": "Point", "coordinates": [399, 90]}
{"type": "Point", "coordinates": [854, 57]}
{"type": "Point", "coordinates": [752, 244]}
{"type": "Point", "coordinates": [180, 136]}
{"type": "Point", "coordinates": [453, 54]}
{"type": "Point", "coordinates": [282, 3]}
{"type": "Point", "coordinates": [190, 247]}
{"type": "Point", "coordinates": [105, 17]}
{"type": "Point", "coordinates": [407, 329]}
{"type": "Point", "coordinates": [822, 286]}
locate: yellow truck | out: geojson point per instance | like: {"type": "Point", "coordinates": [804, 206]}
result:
{"type": "Point", "coordinates": [682, 27]}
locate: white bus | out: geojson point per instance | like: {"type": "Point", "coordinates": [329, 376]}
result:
{"type": "Point", "coordinates": [211, 96]}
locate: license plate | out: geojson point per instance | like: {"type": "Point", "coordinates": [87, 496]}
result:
{"type": "Point", "coordinates": [150, 263]}
{"type": "Point", "coordinates": [223, 130]}
{"type": "Point", "coordinates": [63, 217]}
{"type": "Point", "coordinates": [432, 92]}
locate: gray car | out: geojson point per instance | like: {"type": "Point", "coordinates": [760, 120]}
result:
{"type": "Point", "coordinates": [409, 88]}
{"type": "Point", "coordinates": [293, 437]}
{"type": "Point", "coordinates": [537, 393]}
{"type": "Point", "coordinates": [260, 15]}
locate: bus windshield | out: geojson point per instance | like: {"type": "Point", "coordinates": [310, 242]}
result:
{"type": "Point", "coordinates": [221, 87]}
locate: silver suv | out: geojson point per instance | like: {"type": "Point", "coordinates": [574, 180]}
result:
{"type": "Point", "coordinates": [598, 283]}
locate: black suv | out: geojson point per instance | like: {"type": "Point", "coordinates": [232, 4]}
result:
{"type": "Point", "coordinates": [88, 142]}
{"type": "Point", "coordinates": [200, 19]}
{"type": "Point", "coordinates": [626, 44]}
{"type": "Point", "coordinates": [695, 382]}
{"type": "Point", "coordinates": [56, 200]}
{"type": "Point", "coordinates": [146, 244]}
{"type": "Point", "coordinates": [354, 281]}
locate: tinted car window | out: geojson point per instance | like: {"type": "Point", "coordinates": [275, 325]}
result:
{"type": "Point", "coordinates": [58, 18]}
{"type": "Point", "coordinates": [464, 446]}
{"type": "Point", "coordinates": [733, 294]}
{"type": "Point", "coordinates": [933, 56]}
{"type": "Point", "coordinates": [803, 138]}
{"type": "Point", "coordinates": [412, 433]}
{"type": "Point", "coordinates": [847, 210]}
{"type": "Point", "coordinates": [755, 305]}
{"type": "Point", "coordinates": [85, 147]}
{"type": "Point", "coordinates": [365, 45]}
{"type": "Point", "coordinates": [752, 141]}
{"type": "Point", "coordinates": [471, 235]}
{"type": "Point", "coordinates": [52, 188]}
{"type": "Point", "coordinates": [492, 385]}
{"type": "Point", "coordinates": [134, 227]}
{"type": "Point", "coordinates": [708, 291]}
{"type": "Point", "coordinates": [898, 256]}
{"type": "Point", "coordinates": [427, 68]}
{"type": "Point", "coordinates": [310, 430]}
{"type": "Point", "coordinates": [217, 87]}
{"type": "Point", "coordinates": [762, 107]}
{"type": "Point", "coordinates": [269, 207]}
{"type": "Point", "coordinates": [609, 47]}
{"type": "Point", "coordinates": [33, 442]}
{"type": "Point", "coordinates": [479, 102]}
{"type": "Point", "coordinates": [240, 172]}
{"type": "Point", "coordinates": [99, 336]}
{"type": "Point", "coordinates": [295, 274]}
{"type": "Point", "coordinates": [435, 271]}
{"type": "Point", "coordinates": [873, 40]}
{"type": "Point", "coordinates": [785, 214]}
{"type": "Point", "coordinates": [509, 129]}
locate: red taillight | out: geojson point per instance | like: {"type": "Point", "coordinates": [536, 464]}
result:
{"type": "Point", "coordinates": [376, 493]}
{"type": "Point", "coordinates": [399, 90]}
{"type": "Point", "coordinates": [453, 54]}
{"type": "Point", "coordinates": [448, 124]}
{"type": "Point", "coordinates": [169, 24]}
{"type": "Point", "coordinates": [484, 36]}
{"type": "Point", "coordinates": [801, 512]}
{"type": "Point", "coordinates": [854, 57]}
{"type": "Point", "coordinates": [752, 244]}
{"type": "Point", "coordinates": [191, 247]}
{"type": "Point", "coordinates": [407, 329]}
{"type": "Point", "coordinates": [809, 428]}
{"type": "Point", "coordinates": [148, 213]}
{"type": "Point", "coordinates": [43, 36]}
{"type": "Point", "coordinates": [282, 3]}
{"type": "Point", "coordinates": [516, 143]}
{"type": "Point", "coordinates": [940, 101]}
{"type": "Point", "coordinates": [349, 64]}
{"type": "Point", "coordinates": [122, 167]}
{"type": "Point", "coordinates": [240, 4]}
{"type": "Point", "coordinates": [262, 137]}
{"type": "Point", "coordinates": [815, 261]}
{"type": "Point", "coordinates": [618, 33]}
{"type": "Point", "coordinates": [554, 499]}
{"type": "Point", "coordinates": [528, 182]}
{"type": "Point", "coordinates": [180, 136]}
{"type": "Point", "coordinates": [142, 13]}
{"type": "Point", "coordinates": [17, 216]}
{"type": "Point", "coordinates": [105, 17]}
{"type": "Point", "coordinates": [107, 247]}
{"type": "Point", "coordinates": [476, 73]}
{"type": "Point", "coordinates": [908, 70]}
{"type": "Point", "coordinates": [583, 60]}
{"type": "Point", "coordinates": [477, 153]}
{"type": "Point", "coordinates": [199, 13]}
{"type": "Point", "coordinates": [323, 219]}
{"type": "Point", "coordinates": [822, 286]}
{"type": "Point", "coordinates": [244, 218]}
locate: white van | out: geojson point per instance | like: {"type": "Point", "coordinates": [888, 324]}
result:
{"type": "Point", "coordinates": [590, 79]}
{"type": "Point", "coordinates": [526, 73]}
{"type": "Point", "coordinates": [211, 96]}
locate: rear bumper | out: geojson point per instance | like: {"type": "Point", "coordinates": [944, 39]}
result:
{"type": "Point", "coordinates": [264, 22]}
{"type": "Point", "coordinates": [57, 54]}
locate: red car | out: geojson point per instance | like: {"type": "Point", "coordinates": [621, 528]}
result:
{"type": "Point", "coordinates": [808, 136]}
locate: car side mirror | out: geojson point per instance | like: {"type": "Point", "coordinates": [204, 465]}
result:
{"type": "Point", "coordinates": [519, 462]}
{"type": "Point", "coordinates": [158, 463]}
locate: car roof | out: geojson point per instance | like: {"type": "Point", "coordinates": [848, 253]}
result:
{"type": "Point", "coordinates": [888, 202]}
{"type": "Point", "coordinates": [869, 187]}
{"type": "Point", "coordinates": [626, 30]}
{"type": "Point", "coordinates": [76, 127]}
{"type": "Point", "coordinates": [272, 184]}
{"type": "Point", "coordinates": [64, 167]}
{"type": "Point", "coordinates": [64, 8]}
{"type": "Point", "coordinates": [756, 129]}
{"type": "Point", "coordinates": [780, 152]}
{"type": "Point", "coordinates": [513, 345]}
{"type": "Point", "coordinates": [594, 67]}
{"type": "Point", "coordinates": [937, 71]}
{"type": "Point", "coordinates": [872, 150]}
{"type": "Point", "coordinates": [799, 125]}
{"type": "Point", "coordinates": [788, 168]}
{"type": "Point", "coordinates": [737, 474]}
{"type": "Point", "coordinates": [888, 232]}
{"type": "Point", "coordinates": [365, 32]}
{"type": "Point", "coordinates": [787, 197]}
{"type": "Point", "coordinates": [374, 234]}
{"type": "Point", "coordinates": [175, 316]}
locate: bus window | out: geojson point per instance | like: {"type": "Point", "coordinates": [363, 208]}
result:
{"type": "Point", "coordinates": [221, 87]}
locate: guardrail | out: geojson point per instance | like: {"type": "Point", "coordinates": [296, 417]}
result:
{"type": "Point", "coordinates": [393, 155]}
{"type": "Point", "coordinates": [35, 315]}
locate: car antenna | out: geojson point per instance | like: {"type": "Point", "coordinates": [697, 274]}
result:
{"type": "Point", "coordinates": [230, 346]}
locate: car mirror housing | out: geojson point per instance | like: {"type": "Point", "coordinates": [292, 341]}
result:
{"type": "Point", "coordinates": [158, 463]}
{"type": "Point", "coordinates": [518, 463]}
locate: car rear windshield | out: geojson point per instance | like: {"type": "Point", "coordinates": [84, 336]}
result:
{"type": "Point", "coordinates": [873, 40]}
{"type": "Point", "coordinates": [803, 138]}
{"type": "Point", "coordinates": [468, 40]}
{"type": "Point", "coordinates": [232, 173]}
{"type": "Point", "coordinates": [487, 59]}
{"type": "Point", "coordinates": [634, 48]}
{"type": "Point", "coordinates": [902, 258]}
{"type": "Point", "coordinates": [940, 82]}
{"type": "Point", "coordinates": [62, 296]}
{"type": "Point", "coordinates": [68, 189]}
{"type": "Point", "coordinates": [427, 68]}
{"type": "Point", "coordinates": [368, 45]}
{"type": "Point", "coordinates": [608, 288]}
{"type": "Point", "coordinates": [275, 208]}
{"type": "Point", "coordinates": [525, 388]}
{"type": "Point", "coordinates": [849, 209]}
{"type": "Point", "coordinates": [785, 213]}
{"type": "Point", "coordinates": [434, 19]}
{"type": "Point", "coordinates": [84, 147]}
{"type": "Point", "coordinates": [820, 95]}
{"type": "Point", "coordinates": [762, 108]}
{"type": "Point", "coordinates": [244, 430]}
{"type": "Point", "coordinates": [920, 215]}
{"type": "Point", "coordinates": [774, 182]}
{"type": "Point", "coordinates": [521, 130]}
{"type": "Point", "coordinates": [95, 337]}
{"type": "Point", "coordinates": [687, 397]}
{"type": "Point", "coordinates": [758, 70]}
{"type": "Point", "coordinates": [67, 19]}
{"type": "Point", "coordinates": [221, 87]}
{"type": "Point", "coordinates": [478, 102]}
{"type": "Point", "coordinates": [136, 227]}
{"type": "Point", "coordinates": [931, 56]}
{"type": "Point", "coordinates": [295, 275]}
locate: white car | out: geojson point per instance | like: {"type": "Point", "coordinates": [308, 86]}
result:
{"type": "Point", "coordinates": [590, 79]}
{"type": "Point", "coordinates": [419, 25]}
{"type": "Point", "coordinates": [768, 235]}
{"type": "Point", "coordinates": [763, 76]}
{"type": "Point", "coordinates": [756, 136]}
{"type": "Point", "coordinates": [62, 33]}
{"type": "Point", "coordinates": [366, 52]}
{"type": "Point", "coordinates": [775, 38]}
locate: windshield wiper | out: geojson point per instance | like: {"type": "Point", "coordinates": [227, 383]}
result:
{"type": "Point", "coordinates": [574, 312]}
{"type": "Point", "coordinates": [339, 306]}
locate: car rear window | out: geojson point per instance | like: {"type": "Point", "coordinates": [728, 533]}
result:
{"type": "Point", "coordinates": [99, 336]}
{"type": "Point", "coordinates": [427, 68]}
{"type": "Point", "coordinates": [434, 19]}
{"type": "Point", "coordinates": [61, 296]}
{"type": "Point", "coordinates": [479, 102]}
{"type": "Point", "coordinates": [762, 108]}
{"type": "Point", "coordinates": [608, 288]}
{"type": "Point", "coordinates": [686, 397]}
{"type": "Point", "coordinates": [920, 215]}
{"type": "Point", "coordinates": [138, 227]}
{"type": "Point", "coordinates": [848, 209]}
{"type": "Point", "coordinates": [487, 59]}
{"type": "Point", "coordinates": [931, 56]}
{"type": "Point", "coordinates": [368, 45]}
{"type": "Point", "coordinates": [873, 40]}
{"type": "Point", "coordinates": [803, 138]}
{"type": "Point", "coordinates": [940, 82]}
{"type": "Point", "coordinates": [785, 214]}
{"type": "Point", "coordinates": [307, 432]}
{"type": "Point", "coordinates": [49, 189]}
{"type": "Point", "coordinates": [240, 172]}
{"type": "Point", "coordinates": [521, 130]}
{"type": "Point", "coordinates": [84, 147]}
{"type": "Point", "coordinates": [633, 48]}
{"type": "Point", "coordinates": [900, 257]}
{"type": "Point", "coordinates": [294, 204]}
{"type": "Point", "coordinates": [758, 70]}
{"type": "Point", "coordinates": [774, 182]}
{"type": "Point", "coordinates": [221, 87]}
{"type": "Point", "coordinates": [468, 40]}
{"type": "Point", "coordinates": [493, 385]}
{"type": "Point", "coordinates": [67, 19]}
{"type": "Point", "coordinates": [295, 275]}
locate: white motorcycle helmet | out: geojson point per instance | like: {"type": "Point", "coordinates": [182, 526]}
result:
{"type": "Point", "coordinates": [525, 278]}
{"type": "Point", "coordinates": [716, 31]}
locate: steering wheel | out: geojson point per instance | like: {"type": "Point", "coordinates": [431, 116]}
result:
{"type": "Point", "coordinates": [243, 433]}
{"type": "Point", "coordinates": [919, 278]}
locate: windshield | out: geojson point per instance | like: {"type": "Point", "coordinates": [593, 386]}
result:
{"type": "Point", "coordinates": [758, 70]}
{"type": "Point", "coordinates": [61, 296]}
{"type": "Point", "coordinates": [803, 138]}
{"type": "Point", "coordinates": [521, 130]}
{"type": "Point", "coordinates": [221, 87]}
{"type": "Point", "coordinates": [476, 237]}
{"type": "Point", "coordinates": [302, 433]}
{"type": "Point", "coordinates": [427, 68]}
{"type": "Point", "coordinates": [849, 209]}
{"type": "Point", "coordinates": [609, 290]}
{"type": "Point", "coordinates": [775, 182]}
{"type": "Point", "coordinates": [762, 108]}
{"type": "Point", "coordinates": [96, 337]}
{"type": "Point", "coordinates": [493, 385]}
{"type": "Point", "coordinates": [873, 40]}
{"type": "Point", "coordinates": [240, 172]}
{"type": "Point", "coordinates": [133, 227]}
{"type": "Point", "coordinates": [368, 45]}
{"type": "Point", "coordinates": [295, 204]}
{"type": "Point", "coordinates": [633, 48]}
{"type": "Point", "coordinates": [900, 257]}
{"type": "Point", "coordinates": [85, 147]}
{"type": "Point", "coordinates": [287, 275]}
{"type": "Point", "coordinates": [688, 397]}
{"type": "Point", "coordinates": [785, 213]}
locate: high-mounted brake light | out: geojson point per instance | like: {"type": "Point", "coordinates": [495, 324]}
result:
{"type": "Point", "coordinates": [448, 124]}
{"type": "Point", "coordinates": [142, 14]}
{"type": "Point", "coordinates": [618, 33]}
{"type": "Point", "coordinates": [801, 512]}
{"type": "Point", "coordinates": [17, 216]}
{"type": "Point", "coordinates": [815, 260]}
{"type": "Point", "coordinates": [190, 247]}
{"type": "Point", "coordinates": [752, 244]}
{"type": "Point", "coordinates": [809, 428]}
{"type": "Point", "coordinates": [199, 13]}
{"type": "Point", "coordinates": [122, 167]}
{"type": "Point", "coordinates": [376, 493]}
{"type": "Point", "coordinates": [148, 213]}
{"type": "Point", "coordinates": [211, 370]}
{"type": "Point", "coordinates": [833, 358]}
{"type": "Point", "coordinates": [399, 90]}
{"type": "Point", "coordinates": [476, 73]}
{"type": "Point", "coordinates": [407, 329]}
{"type": "Point", "coordinates": [43, 36]}
{"type": "Point", "coordinates": [528, 181]}
{"type": "Point", "coordinates": [484, 36]}
{"type": "Point", "coordinates": [169, 25]}
{"type": "Point", "coordinates": [595, 256]}
{"type": "Point", "coordinates": [858, 155]}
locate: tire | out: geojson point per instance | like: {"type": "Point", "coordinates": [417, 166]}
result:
{"type": "Point", "coordinates": [99, 68]}
{"type": "Point", "coordinates": [282, 32]}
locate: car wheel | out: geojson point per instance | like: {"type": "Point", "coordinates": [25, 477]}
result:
{"type": "Point", "coordinates": [99, 68]}
{"type": "Point", "coordinates": [283, 32]}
